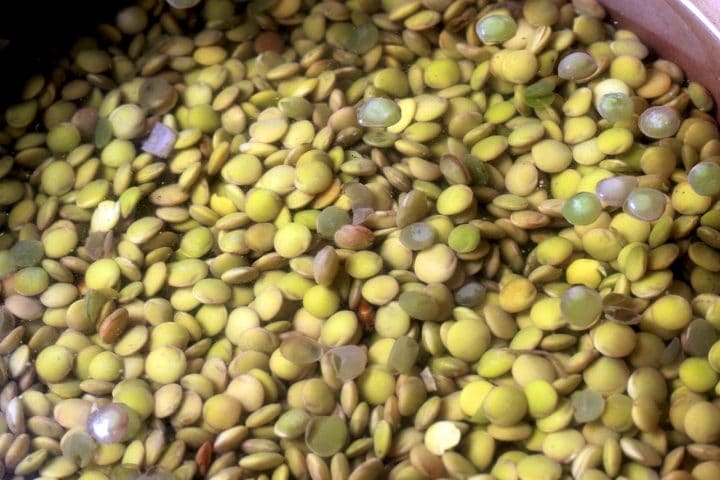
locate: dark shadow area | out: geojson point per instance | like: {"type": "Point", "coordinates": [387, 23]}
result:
{"type": "Point", "coordinates": [35, 33]}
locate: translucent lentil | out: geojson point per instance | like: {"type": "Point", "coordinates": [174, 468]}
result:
{"type": "Point", "coordinates": [348, 361]}
{"type": "Point", "coordinates": [330, 220]}
{"type": "Point", "coordinates": [615, 107]}
{"type": "Point", "coordinates": [582, 209]}
{"type": "Point", "coordinates": [112, 423]}
{"type": "Point", "coordinates": [614, 191]}
{"type": "Point", "coordinates": [495, 28]}
{"type": "Point", "coordinates": [588, 405]}
{"type": "Point", "coordinates": [417, 236]}
{"type": "Point", "coordinates": [704, 178]}
{"type": "Point", "coordinates": [659, 122]}
{"type": "Point", "coordinates": [378, 112]}
{"type": "Point", "coordinates": [646, 204]}
{"type": "Point", "coordinates": [576, 65]}
{"type": "Point", "coordinates": [581, 306]}
{"type": "Point", "coordinates": [301, 350]}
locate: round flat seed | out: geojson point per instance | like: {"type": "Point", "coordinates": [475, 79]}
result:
{"type": "Point", "coordinates": [326, 435]}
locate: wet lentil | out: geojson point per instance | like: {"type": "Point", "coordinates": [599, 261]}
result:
{"type": "Point", "coordinates": [360, 240]}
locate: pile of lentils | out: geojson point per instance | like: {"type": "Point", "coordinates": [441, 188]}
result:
{"type": "Point", "coordinates": [374, 239]}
